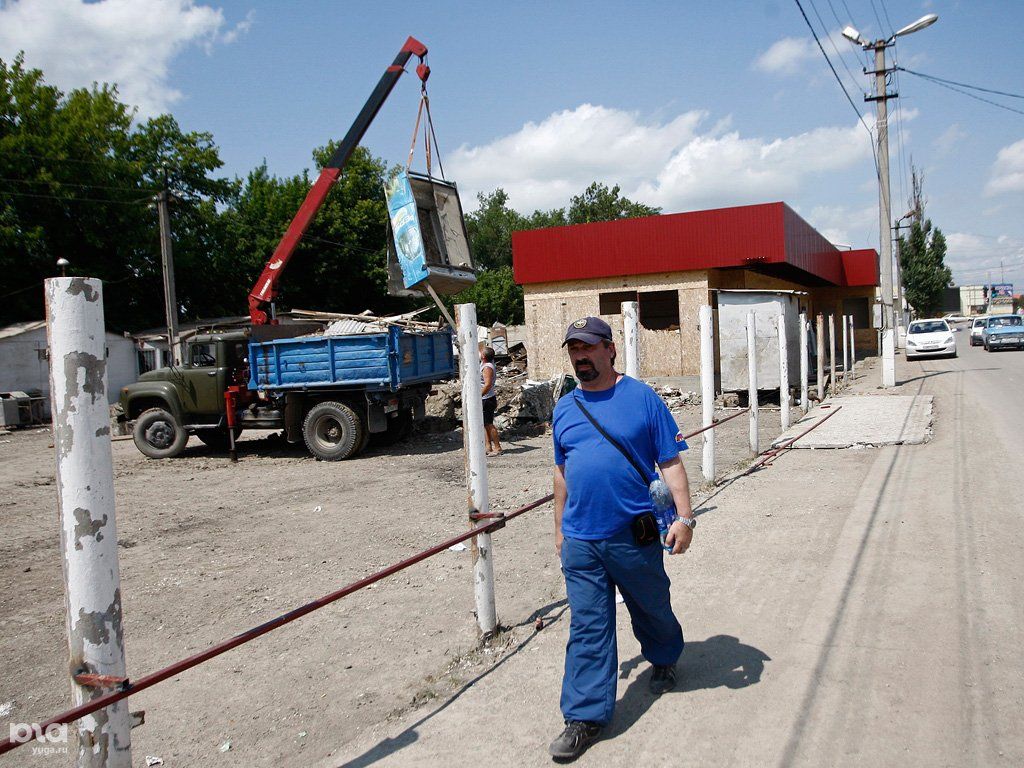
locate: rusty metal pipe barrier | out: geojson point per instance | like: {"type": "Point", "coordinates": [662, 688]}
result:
{"type": "Point", "coordinates": [775, 452]}
{"type": "Point", "coordinates": [126, 688]}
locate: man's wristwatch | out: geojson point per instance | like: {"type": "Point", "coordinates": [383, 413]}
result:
{"type": "Point", "coordinates": [689, 522]}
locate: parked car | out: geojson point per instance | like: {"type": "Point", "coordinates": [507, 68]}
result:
{"type": "Point", "coordinates": [1003, 332]}
{"type": "Point", "coordinates": [976, 328]}
{"type": "Point", "coordinates": [927, 338]}
{"type": "Point", "coordinates": [954, 317]}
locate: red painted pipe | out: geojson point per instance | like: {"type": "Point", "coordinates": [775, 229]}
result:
{"type": "Point", "coordinates": [774, 452]}
{"type": "Point", "coordinates": [715, 423]}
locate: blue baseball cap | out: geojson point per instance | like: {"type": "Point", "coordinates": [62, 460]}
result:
{"type": "Point", "coordinates": [589, 330]}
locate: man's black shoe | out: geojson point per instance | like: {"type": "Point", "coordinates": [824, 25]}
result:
{"type": "Point", "coordinates": [574, 740]}
{"type": "Point", "coordinates": [663, 679]}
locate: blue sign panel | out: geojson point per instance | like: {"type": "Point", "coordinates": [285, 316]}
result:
{"type": "Point", "coordinates": [405, 228]}
{"type": "Point", "coordinates": [1002, 291]}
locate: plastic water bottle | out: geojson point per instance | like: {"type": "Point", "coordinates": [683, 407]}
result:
{"type": "Point", "coordinates": [664, 508]}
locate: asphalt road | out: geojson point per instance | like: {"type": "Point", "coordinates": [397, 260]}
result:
{"type": "Point", "coordinates": [841, 608]}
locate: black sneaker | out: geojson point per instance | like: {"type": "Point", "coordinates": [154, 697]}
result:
{"type": "Point", "coordinates": [574, 740]}
{"type": "Point", "coordinates": [663, 679]}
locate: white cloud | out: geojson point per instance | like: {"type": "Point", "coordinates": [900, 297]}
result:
{"type": "Point", "coordinates": [678, 164]}
{"type": "Point", "coordinates": [127, 42]}
{"type": "Point", "coordinates": [842, 225]}
{"type": "Point", "coordinates": [950, 138]}
{"type": "Point", "coordinates": [787, 55]}
{"type": "Point", "coordinates": [1008, 170]}
{"type": "Point", "coordinates": [974, 259]}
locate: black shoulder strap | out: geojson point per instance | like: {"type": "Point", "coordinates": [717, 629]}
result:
{"type": "Point", "coordinates": [612, 440]}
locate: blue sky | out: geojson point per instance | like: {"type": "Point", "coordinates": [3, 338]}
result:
{"type": "Point", "coordinates": [687, 105]}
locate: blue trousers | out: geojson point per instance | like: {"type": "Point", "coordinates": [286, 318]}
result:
{"type": "Point", "coordinates": [592, 571]}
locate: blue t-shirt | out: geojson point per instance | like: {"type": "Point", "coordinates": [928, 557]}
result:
{"type": "Point", "coordinates": [605, 490]}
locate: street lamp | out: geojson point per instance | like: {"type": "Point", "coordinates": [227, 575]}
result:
{"type": "Point", "coordinates": [63, 264]}
{"type": "Point", "coordinates": [881, 98]}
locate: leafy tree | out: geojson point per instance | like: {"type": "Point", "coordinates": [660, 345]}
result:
{"type": "Point", "coordinates": [78, 180]}
{"type": "Point", "coordinates": [490, 228]}
{"type": "Point", "coordinates": [599, 203]}
{"type": "Point", "coordinates": [925, 274]}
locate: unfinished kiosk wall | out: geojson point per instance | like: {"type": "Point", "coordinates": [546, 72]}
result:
{"type": "Point", "coordinates": [669, 303]}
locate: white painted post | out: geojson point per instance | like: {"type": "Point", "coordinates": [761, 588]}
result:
{"type": "Point", "coordinates": [832, 352]}
{"type": "Point", "coordinates": [476, 467]}
{"type": "Point", "coordinates": [783, 373]}
{"type": "Point", "coordinates": [821, 357]}
{"type": "Point", "coordinates": [85, 500]}
{"type": "Point", "coordinates": [752, 385]}
{"type": "Point", "coordinates": [803, 362]}
{"type": "Point", "coordinates": [707, 388]}
{"type": "Point", "coordinates": [631, 329]}
{"type": "Point", "coordinates": [846, 348]}
{"type": "Point", "coordinates": [853, 352]}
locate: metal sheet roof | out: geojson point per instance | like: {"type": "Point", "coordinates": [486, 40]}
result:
{"type": "Point", "coordinates": [768, 237]}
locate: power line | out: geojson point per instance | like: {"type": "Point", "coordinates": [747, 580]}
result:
{"type": "Point", "coordinates": [70, 198]}
{"type": "Point", "coordinates": [969, 94]}
{"type": "Point", "coordinates": [853, 78]}
{"type": "Point", "coordinates": [838, 80]}
{"type": "Point", "coordinates": [55, 182]}
{"type": "Point", "coordinates": [962, 85]}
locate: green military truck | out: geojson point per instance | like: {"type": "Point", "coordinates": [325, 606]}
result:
{"type": "Point", "coordinates": [331, 392]}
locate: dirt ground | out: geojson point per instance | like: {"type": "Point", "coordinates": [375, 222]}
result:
{"type": "Point", "coordinates": [209, 549]}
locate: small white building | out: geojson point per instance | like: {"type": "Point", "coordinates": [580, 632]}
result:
{"type": "Point", "coordinates": [24, 361]}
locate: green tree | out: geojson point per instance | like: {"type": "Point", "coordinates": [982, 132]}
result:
{"type": "Point", "coordinates": [490, 229]}
{"type": "Point", "coordinates": [922, 262]}
{"type": "Point", "coordinates": [77, 181]}
{"type": "Point", "coordinates": [599, 203]}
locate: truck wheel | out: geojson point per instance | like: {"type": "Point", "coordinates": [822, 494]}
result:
{"type": "Point", "coordinates": [158, 435]}
{"type": "Point", "coordinates": [332, 431]}
{"type": "Point", "coordinates": [399, 428]}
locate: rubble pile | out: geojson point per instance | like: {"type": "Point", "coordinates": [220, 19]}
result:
{"type": "Point", "coordinates": [676, 398]}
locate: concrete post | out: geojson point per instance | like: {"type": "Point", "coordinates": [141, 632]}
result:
{"type": "Point", "coordinates": [884, 218]}
{"type": "Point", "coordinates": [803, 362]}
{"type": "Point", "coordinates": [846, 348]}
{"type": "Point", "coordinates": [783, 373]}
{"type": "Point", "coordinates": [707, 388]}
{"type": "Point", "coordinates": [821, 357]}
{"type": "Point", "coordinates": [752, 376]}
{"type": "Point", "coordinates": [631, 329]}
{"type": "Point", "coordinates": [853, 351]}
{"type": "Point", "coordinates": [832, 352]}
{"type": "Point", "coordinates": [85, 501]}
{"type": "Point", "coordinates": [476, 467]}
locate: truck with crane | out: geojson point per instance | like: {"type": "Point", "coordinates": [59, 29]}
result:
{"type": "Point", "coordinates": [332, 392]}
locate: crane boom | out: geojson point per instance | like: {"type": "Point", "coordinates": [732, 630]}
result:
{"type": "Point", "coordinates": [265, 289]}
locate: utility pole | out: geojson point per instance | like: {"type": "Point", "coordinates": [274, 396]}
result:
{"type": "Point", "coordinates": [881, 98]}
{"type": "Point", "coordinates": [167, 257]}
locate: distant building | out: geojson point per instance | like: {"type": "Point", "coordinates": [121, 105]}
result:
{"type": "Point", "coordinates": [672, 264]}
{"type": "Point", "coordinates": [25, 361]}
{"type": "Point", "coordinates": [972, 300]}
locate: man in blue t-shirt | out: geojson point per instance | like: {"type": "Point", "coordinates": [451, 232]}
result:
{"type": "Point", "coordinates": [599, 494]}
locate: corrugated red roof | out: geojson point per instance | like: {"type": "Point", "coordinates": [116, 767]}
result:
{"type": "Point", "coordinates": [749, 235]}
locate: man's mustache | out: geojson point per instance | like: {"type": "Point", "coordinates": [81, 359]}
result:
{"type": "Point", "coordinates": [583, 361]}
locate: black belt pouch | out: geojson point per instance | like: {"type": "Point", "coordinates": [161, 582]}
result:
{"type": "Point", "coordinates": [645, 529]}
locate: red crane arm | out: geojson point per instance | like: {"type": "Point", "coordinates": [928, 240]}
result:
{"type": "Point", "coordinates": [266, 287]}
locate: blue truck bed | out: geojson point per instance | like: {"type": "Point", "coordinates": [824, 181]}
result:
{"type": "Point", "coordinates": [373, 361]}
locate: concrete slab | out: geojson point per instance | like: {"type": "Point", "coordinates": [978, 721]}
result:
{"type": "Point", "coordinates": [865, 420]}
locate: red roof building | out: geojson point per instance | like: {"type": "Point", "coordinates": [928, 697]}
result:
{"type": "Point", "coordinates": [672, 264]}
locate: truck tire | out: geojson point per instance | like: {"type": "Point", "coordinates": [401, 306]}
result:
{"type": "Point", "coordinates": [158, 434]}
{"type": "Point", "coordinates": [332, 431]}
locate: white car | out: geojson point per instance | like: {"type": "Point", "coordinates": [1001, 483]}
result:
{"type": "Point", "coordinates": [977, 326]}
{"type": "Point", "coordinates": [954, 317]}
{"type": "Point", "coordinates": [926, 338]}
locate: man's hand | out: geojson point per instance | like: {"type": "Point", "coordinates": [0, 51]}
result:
{"type": "Point", "coordinates": [678, 537]}
{"type": "Point", "coordinates": [558, 544]}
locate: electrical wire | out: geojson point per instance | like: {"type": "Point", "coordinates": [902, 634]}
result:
{"type": "Point", "coordinates": [853, 78]}
{"type": "Point", "coordinates": [70, 198]}
{"type": "Point", "coordinates": [962, 85]}
{"type": "Point", "coordinates": [840, 81]}
{"type": "Point", "coordinates": [969, 94]}
{"type": "Point", "coordinates": [52, 182]}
